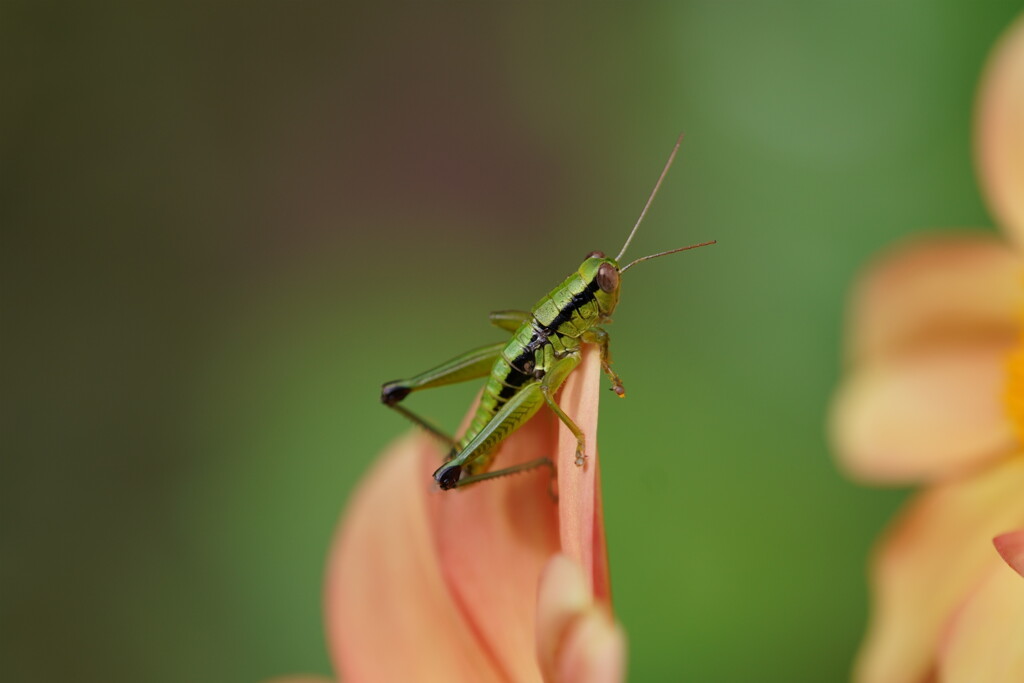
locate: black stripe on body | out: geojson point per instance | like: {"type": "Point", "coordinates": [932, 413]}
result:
{"type": "Point", "coordinates": [577, 302]}
{"type": "Point", "coordinates": [513, 381]}
{"type": "Point", "coordinates": [518, 370]}
{"type": "Point", "coordinates": [524, 361]}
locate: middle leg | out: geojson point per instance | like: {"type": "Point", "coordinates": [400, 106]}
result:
{"type": "Point", "coordinates": [596, 335]}
{"type": "Point", "coordinates": [549, 385]}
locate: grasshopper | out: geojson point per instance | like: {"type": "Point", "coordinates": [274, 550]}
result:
{"type": "Point", "coordinates": [525, 372]}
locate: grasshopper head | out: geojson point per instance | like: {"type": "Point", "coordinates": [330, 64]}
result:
{"type": "Point", "coordinates": [602, 275]}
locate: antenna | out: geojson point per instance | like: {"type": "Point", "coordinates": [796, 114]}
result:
{"type": "Point", "coordinates": [664, 172]}
{"type": "Point", "coordinates": [665, 253]}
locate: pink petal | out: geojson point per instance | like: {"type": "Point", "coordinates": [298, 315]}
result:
{"type": "Point", "coordinates": [1011, 547]}
{"type": "Point", "coordinates": [389, 613]}
{"type": "Point", "coordinates": [562, 596]}
{"type": "Point", "coordinates": [1000, 131]}
{"type": "Point", "coordinates": [432, 585]}
{"type": "Point", "coordinates": [928, 561]}
{"type": "Point", "coordinates": [924, 416]}
{"type": "Point", "coordinates": [985, 640]}
{"type": "Point", "coordinates": [493, 539]}
{"type": "Point", "coordinates": [933, 290]}
{"type": "Point", "coordinates": [579, 489]}
{"type": "Point", "coordinates": [576, 639]}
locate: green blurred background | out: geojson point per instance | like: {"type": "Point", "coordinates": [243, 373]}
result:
{"type": "Point", "coordinates": [224, 226]}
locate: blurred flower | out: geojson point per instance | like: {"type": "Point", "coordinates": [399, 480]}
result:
{"type": "Point", "coordinates": [935, 395]}
{"type": "Point", "coordinates": [494, 582]}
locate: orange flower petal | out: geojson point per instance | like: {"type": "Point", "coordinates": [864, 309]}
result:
{"type": "Point", "coordinates": [1000, 131]}
{"type": "Point", "coordinates": [562, 596]}
{"type": "Point", "coordinates": [576, 638]}
{"type": "Point", "coordinates": [579, 488]}
{"type": "Point", "coordinates": [1011, 547]}
{"type": "Point", "coordinates": [432, 585]}
{"type": "Point", "coordinates": [934, 290]}
{"type": "Point", "coordinates": [493, 539]}
{"type": "Point", "coordinates": [985, 640]}
{"type": "Point", "coordinates": [929, 559]}
{"type": "Point", "coordinates": [389, 613]}
{"type": "Point", "coordinates": [923, 416]}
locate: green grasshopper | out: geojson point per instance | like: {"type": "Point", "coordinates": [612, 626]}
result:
{"type": "Point", "coordinates": [525, 372]}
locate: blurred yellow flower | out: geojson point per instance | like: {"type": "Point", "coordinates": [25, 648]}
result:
{"type": "Point", "coordinates": [932, 397]}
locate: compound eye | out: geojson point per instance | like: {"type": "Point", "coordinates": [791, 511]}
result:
{"type": "Point", "coordinates": [608, 278]}
{"type": "Point", "coordinates": [596, 254]}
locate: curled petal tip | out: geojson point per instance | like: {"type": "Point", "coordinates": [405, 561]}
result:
{"type": "Point", "coordinates": [594, 651]}
{"type": "Point", "coordinates": [562, 589]}
{"type": "Point", "coordinates": [562, 595]}
{"type": "Point", "coordinates": [1011, 547]}
{"type": "Point", "coordinates": [576, 637]}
